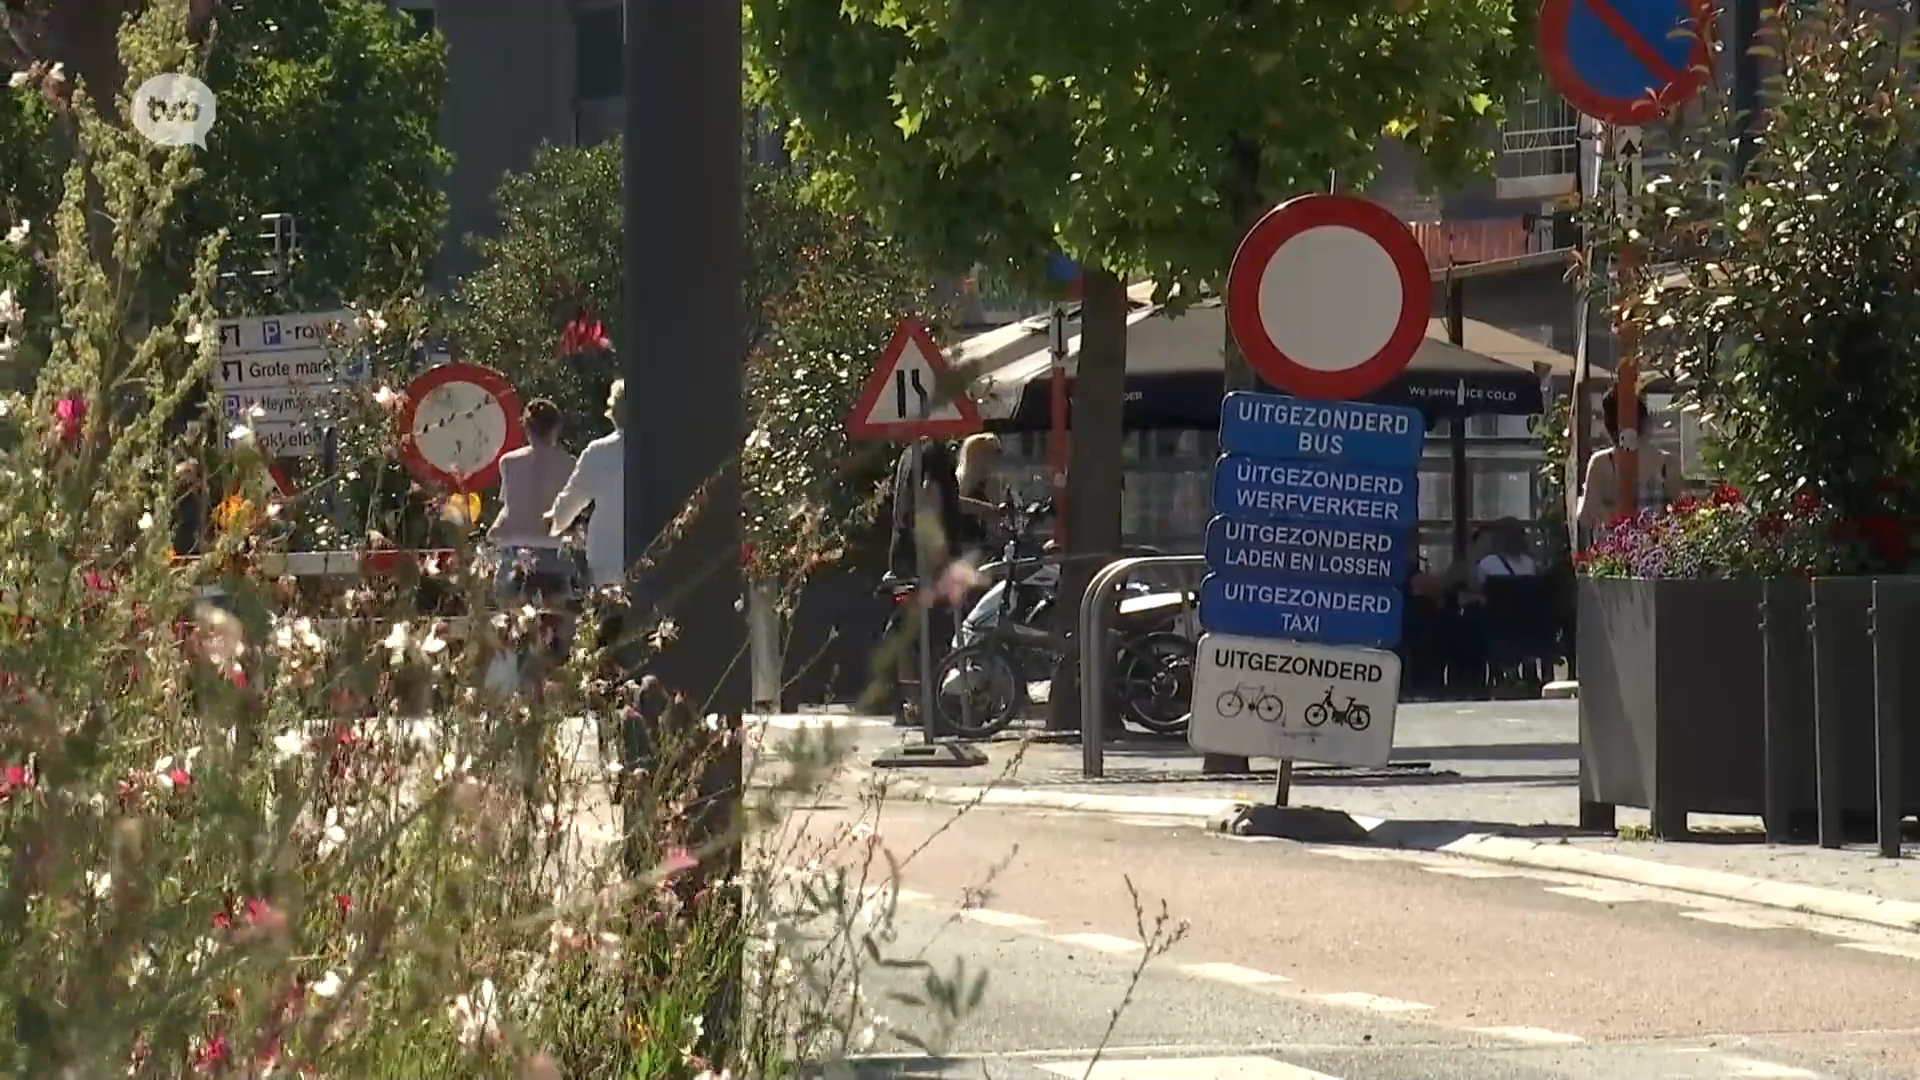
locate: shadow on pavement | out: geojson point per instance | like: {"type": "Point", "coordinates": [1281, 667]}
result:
{"type": "Point", "coordinates": [1525, 751]}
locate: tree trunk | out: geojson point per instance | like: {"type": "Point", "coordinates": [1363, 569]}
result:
{"type": "Point", "coordinates": [1093, 469]}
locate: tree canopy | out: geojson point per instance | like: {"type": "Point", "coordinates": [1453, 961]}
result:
{"type": "Point", "coordinates": [998, 130]}
{"type": "Point", "coordinates": [328, 110]}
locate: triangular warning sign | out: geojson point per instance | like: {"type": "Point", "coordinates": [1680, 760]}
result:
{"type": "Point", "coordinates": [902, 400]}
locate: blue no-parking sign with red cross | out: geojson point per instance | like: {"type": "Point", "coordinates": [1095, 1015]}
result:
{"type": "Point", "coordinates": [1625, 61]}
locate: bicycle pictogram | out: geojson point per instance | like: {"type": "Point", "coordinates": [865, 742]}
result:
{"type": "Point", "coordinates": [1353, 715]}
{"type": "Point", "coordinates": [1265, 703]}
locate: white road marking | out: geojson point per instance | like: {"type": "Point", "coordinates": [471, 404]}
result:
{"type": "Point", "coordinates": [1537, 1036]}
{"type": "Point", "coordinates": [1741, 919]}
{"type": "Point", "coordinates": [1218, 1068]}
{"type": "Point", "coordinates": [1476, 872]}
{"type": "Point", "coordinates": [1151, 822]}
{"type": "Point", "coordinates": [990, 917]}
{"type": "Point", "coordinates": [1904, 952]}
{"type": "Point", "coordinates": [1350, 854]}
{"type": "Point", "coordinates": [1373, 1002]}
{"type": "Point", "coordinates": [1251, 839]}
{"type": "Point", "coordinates": [1106, 943]}
{"type": "Point", "coordinates": [813, 721]}
{"type": "Point", "coordinates": [1602, 896]}
{"type": "Point", "coordinates": [1739, 1066]}
{"type": "Point", "coordinates": [1233, 973]}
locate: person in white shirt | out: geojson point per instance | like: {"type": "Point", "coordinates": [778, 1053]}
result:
{"type": "Point", "coordinates": [599, 480]}
{"type": "Point", "coordinates": [530, 563]}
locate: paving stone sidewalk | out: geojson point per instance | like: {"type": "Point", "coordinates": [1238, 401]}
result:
{"type": "Point", "coordinates": [1504, 768]}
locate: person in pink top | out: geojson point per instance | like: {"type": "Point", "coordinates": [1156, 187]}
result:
{"type": "Point", "coordinates": [531, 564]}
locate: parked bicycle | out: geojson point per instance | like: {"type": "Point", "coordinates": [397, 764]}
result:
{"type": "Point", "coordinates": [1265, 704]}
{"type": "Point", "coordinates": [1353, 715]}
{"type": "Point", "coordinates": [1004, 643]}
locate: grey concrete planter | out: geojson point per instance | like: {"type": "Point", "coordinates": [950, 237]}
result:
{"type": "Point", "coordinates": [1671, 699]}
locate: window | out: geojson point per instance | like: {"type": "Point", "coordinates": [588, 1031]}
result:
{"type": "Point", "coordinates": [598, 57]}
{"type": "Point", "coordinates": [1539, 148]}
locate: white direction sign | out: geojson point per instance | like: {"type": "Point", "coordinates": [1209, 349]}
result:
{"type": "Point", "coordinates": [1265, 698]}
{"type": "Point", "coordinates": [277, 374]}
{"type": "Point", "coordinates": [1629, 172]}
{"type": "Point", "coordinates": [277, 333]}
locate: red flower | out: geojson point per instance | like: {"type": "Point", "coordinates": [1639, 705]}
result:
{"type": "Point", "coordinates": [344, 903]}
{"type": "Point", "coordinates": [1724, 495]}
{"type": "Point", "coordinates": [222, 920]}
{"type": "Point", "coordinates": [70, 416]}
{"type": "Point", "coordinates": [181, 781]}
{"type": "Point", "coordinates": [211, 1055]}
{"type": "Point", "coordinates": [583, 334]}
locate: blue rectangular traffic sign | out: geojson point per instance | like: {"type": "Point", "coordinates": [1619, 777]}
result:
{"type": "Point", "coordinates": [1266, 490]}
{"type": "Point", "coordinates": [1351, 432]}
{"type": "Point", "coordinates": [1292, 549]}
{"type": "Point", "coordinates": [1334, 613]}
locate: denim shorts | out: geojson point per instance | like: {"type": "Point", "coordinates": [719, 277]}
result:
{"type": "Point", "coordinates": [526, 573]}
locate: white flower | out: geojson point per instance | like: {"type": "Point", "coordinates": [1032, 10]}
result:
{"type": "Point", "coordinates": [288, 745]}
{"type": "Point", "coordinates": [373, 320]}
{"type": "Point", "coordinates": [58, 74]}
{"type": "Point", "coordinates": [17, 80]}
{"type": "Point", "coordinates": [241, 435]}
{"type": "Point", "coordinates": [145, 522]}
{"type": "Point", "coordinates": [17, 236]}
{"type": "Point", "coordinates": [329, 985]}
{"type": "Point", "coordinates": [397, 637]}
{"type": "Point", "coordinates": [100, 883]}
{"type": "Point", "coordinates": [289, 633]}
{"type": "Point", "coordinates": [193, 332]}
{"type": "Point", "coordinates": [477, 1015]}
{"type": "Point", "coordinates": [333, 836]}
{"type": "Point", "coordinates": [10, 310]}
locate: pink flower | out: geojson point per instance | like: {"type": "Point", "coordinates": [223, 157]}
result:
{"type": "Point", "coordinates": [181, 779]}
{"type": "Point", "coordinates": [70, 414]}
{"type": "Point", "coordinates": [14, 777]}
{"type": "Point", "coordinates": [677, 860]}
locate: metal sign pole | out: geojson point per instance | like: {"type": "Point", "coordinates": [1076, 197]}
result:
{"type": "Point", "coordinates": [922, 573]}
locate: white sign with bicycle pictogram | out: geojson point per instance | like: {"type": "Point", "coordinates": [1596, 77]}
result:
{"type": "Point", "coordinates": [1258, 697]}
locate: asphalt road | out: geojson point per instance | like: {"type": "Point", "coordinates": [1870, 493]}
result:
{"type": "Point", "coordinates": [1302, 963]}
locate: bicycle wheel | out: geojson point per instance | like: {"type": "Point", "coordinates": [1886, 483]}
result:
{"type": "Point", "coordinates": [1230, 704]}
{"type": "Point", "coordinates": [1316, 714]}
{"type": "Point", "coordinates": [1359, 717]}
{"type": "Point", "coordinates": [1270, 708]}
{"type": "Point", "coordinates": [978, 692]}
{"type": "Point", "coordinates": [1154, 681]}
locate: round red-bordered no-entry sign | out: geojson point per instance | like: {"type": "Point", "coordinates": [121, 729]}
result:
{"type": "Point", "coordinates": [1328, 296]}
{"type": "Point", "coordinates": [458, 421]}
